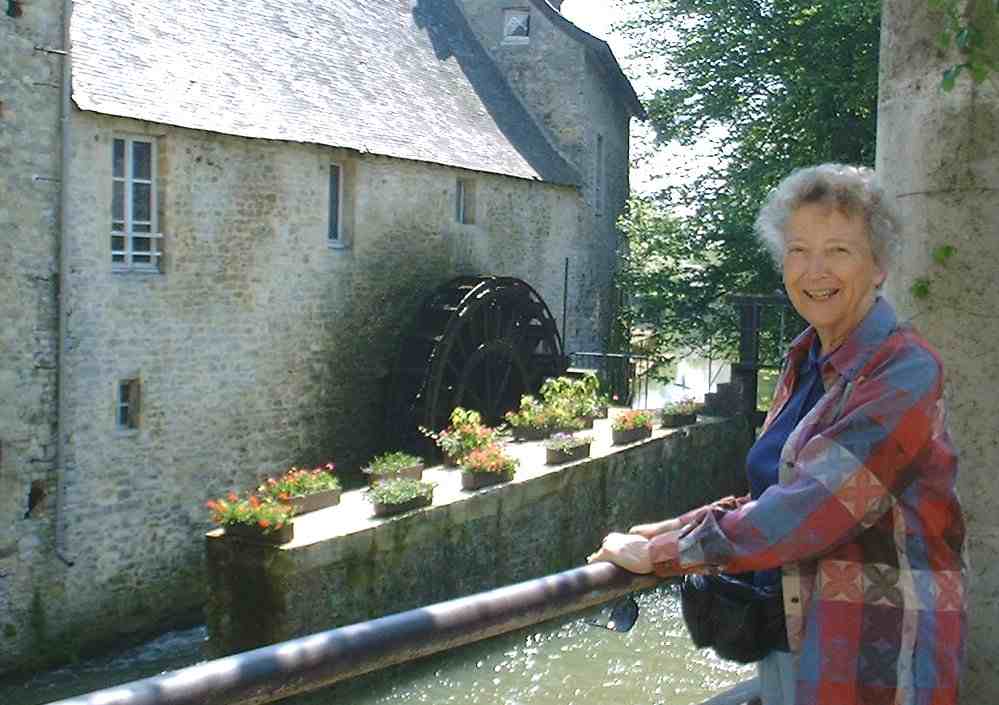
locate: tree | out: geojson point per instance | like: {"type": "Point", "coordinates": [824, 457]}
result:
{"type": "Point", "coordinates": [791, 83]}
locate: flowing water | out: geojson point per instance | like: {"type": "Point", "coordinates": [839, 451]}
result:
{"type": "Point", "coordinates": [564, 661]}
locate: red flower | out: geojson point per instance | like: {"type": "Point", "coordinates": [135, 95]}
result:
{"type": "Point", "coordinates": [263, 523]}
{"type": "Point", "coordinates": [233, 497]}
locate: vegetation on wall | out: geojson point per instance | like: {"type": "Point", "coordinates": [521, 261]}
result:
{"type": "Point", "coordinates": [784, 84]}
{"type": "Point", "coordinates": [972, 27]}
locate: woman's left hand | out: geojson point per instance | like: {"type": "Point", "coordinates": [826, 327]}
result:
{"type": "Point", "coordinates": [629, 551]}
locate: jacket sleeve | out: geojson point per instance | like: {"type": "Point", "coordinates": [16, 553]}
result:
{"type": "Point", "coordinates": [844, 477]}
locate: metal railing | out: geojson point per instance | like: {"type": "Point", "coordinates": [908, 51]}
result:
{"type": "Point", "coordinates": [312, 662]}
{"type": "Point", "coordinates": [625, 376]}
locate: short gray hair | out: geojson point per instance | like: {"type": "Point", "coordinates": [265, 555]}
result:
{"type": "Point", "coordinates": [853, 190]}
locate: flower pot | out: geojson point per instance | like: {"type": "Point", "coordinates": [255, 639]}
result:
{"type": "Point", "coordinates": [530, 433]}
{"type": "Point", "coordinates": [254, 534]}
{"type": "Point", "coordinates": [312, 502]}
{"type": "Point", "coordinates": [557, 456]}
{"type": "Point", "coordinates": [631, 435]}
{"type": "Point", "coordinates": [678, 420]}
{"type": "Point", "coordinates": [588, 422]}
{"type": "Point", "coordinates": [451, 461]}
{"type": "Point", "coordinates": [476, 480]}
{"type": "Point", "coordinates": [414, 472]}
{"type": "Point", "coordinates": [382, 510]}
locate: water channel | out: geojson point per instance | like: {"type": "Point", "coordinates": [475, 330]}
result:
{"type": "Point", "coordinates": [564, 662]}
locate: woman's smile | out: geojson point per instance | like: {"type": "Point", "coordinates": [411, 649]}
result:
{"type": "Point", "coordinates": [829, 270]}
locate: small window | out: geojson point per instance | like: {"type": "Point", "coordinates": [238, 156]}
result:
{"type": "Point", "coordinates": [128, 405]}
{"type": "Point", "coordinates": [336, 204]}
{"type": "Point", "coordinates": [516, 26]}
{"type": "Point", "coordinates": [135, 240]}
{"type": "Point", "coordinates": [464, 210]}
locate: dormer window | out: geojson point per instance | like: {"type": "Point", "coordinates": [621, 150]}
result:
{"type": "Point", "coordinates": [516, 26]}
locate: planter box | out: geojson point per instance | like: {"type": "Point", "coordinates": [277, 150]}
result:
{"type": "Point", "coordinates": [531, 434]}
{"type": "Point", "coordinates": [312, 502]}
{"type": "Point", "coordinates": [631, 435]}
{"type": "Point", "coordinates": [555, 456]}
{"type": "Point", "coordinates": [678, 420]}
{"type": "Point", "coordinates": [476, 480]}
{"type": "Point", "coordinates": [254, 534]}
{"type": "Point", "coordinates": [414, 472]}
{"type": "Point", "coordinates": [383, 510]}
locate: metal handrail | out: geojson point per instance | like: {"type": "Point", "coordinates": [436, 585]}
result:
{"type": "Point", "coordinates": [312, 662]}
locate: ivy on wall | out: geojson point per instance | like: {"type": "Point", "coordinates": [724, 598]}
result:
{"type": "Point", "coordinates": [972, 26]}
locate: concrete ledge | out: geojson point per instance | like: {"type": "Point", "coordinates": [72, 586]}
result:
{"type": "Point", "coordinates": [345, 566]}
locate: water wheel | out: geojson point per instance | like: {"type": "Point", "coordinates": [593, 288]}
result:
{"type": "Point", "coordinates": [476, 342]}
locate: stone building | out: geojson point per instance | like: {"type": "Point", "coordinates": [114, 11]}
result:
{"type": "Point", "coordinates": [215, 218]}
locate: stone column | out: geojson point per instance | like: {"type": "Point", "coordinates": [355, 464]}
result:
{"type": "Point", "coordinates": [938, 154]}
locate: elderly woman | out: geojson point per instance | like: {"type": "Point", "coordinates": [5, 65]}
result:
{"type": "Point", "coordinates": [852, 505]}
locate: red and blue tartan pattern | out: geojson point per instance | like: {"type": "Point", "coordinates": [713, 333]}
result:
{"type": "Point", "coordinates": [865, 523]}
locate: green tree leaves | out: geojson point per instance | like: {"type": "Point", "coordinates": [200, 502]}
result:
{"type": "Point", "coordinates": [791, 83]}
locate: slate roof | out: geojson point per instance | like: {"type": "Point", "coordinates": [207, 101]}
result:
{"type": "Point", "coordinates": [399, 78]}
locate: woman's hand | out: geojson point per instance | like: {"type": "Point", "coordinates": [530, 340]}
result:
{"type": "Point", "coordinates": [628, 551]}
{"type": "Point", "coordinates": [650, 531]}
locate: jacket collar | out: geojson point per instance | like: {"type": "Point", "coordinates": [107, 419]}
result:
{"type": "Point", "coordinates": [850, 357]}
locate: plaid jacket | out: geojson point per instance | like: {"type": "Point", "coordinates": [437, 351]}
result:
{"type": "Point", "coordinates": [865, 523]}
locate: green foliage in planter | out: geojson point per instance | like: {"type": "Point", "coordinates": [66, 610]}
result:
{"type": "Point", "coordinates": [683, 406]}
{"type": "Point", "coordinates": [298, 482]}
{"type": "Point", "coordinates": [535, 414]}
{"type": "Point", "coordinates": [389, 463]}
{"type": "Point", "coordinates": [579, 396]}
{"type": "Point", "coordinates": [567, 441]}
{"type": "Point", "coordinates": [267, 513]}
{"type": "Point", "coordinates": [465, 434]}
{"type": "Point", "coordinates": [399, 490]}
{"type": "Point", "coordinates": [635, 418]}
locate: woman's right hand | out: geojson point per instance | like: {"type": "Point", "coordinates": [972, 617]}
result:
{"type": "Point", "coordinates": [650, 531]}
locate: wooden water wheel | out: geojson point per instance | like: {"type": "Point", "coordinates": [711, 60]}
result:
{"type": "Point", "coordinates": [476, 342]}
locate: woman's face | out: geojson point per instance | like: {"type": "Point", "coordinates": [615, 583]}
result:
{"type": "Point", "coordinates": [829, 270]}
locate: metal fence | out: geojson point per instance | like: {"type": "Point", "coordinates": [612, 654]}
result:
{"type": "Point", "coordinates": [624, 376]}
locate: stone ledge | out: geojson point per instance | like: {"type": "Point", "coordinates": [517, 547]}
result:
{"type": "Point", "coordinates": [346, 566]}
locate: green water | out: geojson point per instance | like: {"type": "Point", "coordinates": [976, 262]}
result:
{"type": "Point", "coordinates": [565, 662]}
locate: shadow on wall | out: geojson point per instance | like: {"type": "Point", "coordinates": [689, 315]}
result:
{"type": "Point", "coordinates": [452, 37]}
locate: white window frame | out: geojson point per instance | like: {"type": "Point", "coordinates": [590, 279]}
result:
{"type": "Point", "coordinates": [124, 260]}
{"type": "Point", "coordinates": [512, 13]}
{"type": "Point", "coordinates": [334, 233]}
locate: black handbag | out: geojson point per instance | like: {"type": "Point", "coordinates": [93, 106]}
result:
{"type": "Point", "coordinates": [740, 621]}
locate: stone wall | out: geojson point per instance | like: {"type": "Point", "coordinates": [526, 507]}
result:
{"type": "Point", "coordinates": [345, 567]}
{"type": "Point", "coordinates": [30, 82]}
{"type": "Point", "coordinates": [258, 346]}
{"type": "Point", "coordinates": [571, 95]}
{"type": "Point", "coordinates": [937, 155]}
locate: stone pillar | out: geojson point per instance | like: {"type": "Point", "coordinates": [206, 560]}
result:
{"type": "Point", "coordinates": [937, 154]}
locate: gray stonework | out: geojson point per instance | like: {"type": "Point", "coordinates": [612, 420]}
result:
{"type": "Point", "coordinates": [257, 345]}
{"type": "Point", "coordinates": [29, 208]}
{"type": "Point", "coordinates": [578, 99]}
{"type": "Point", "coordinates": [345, 567]}
{"type": "Point", "coordinates": [937, 155]}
